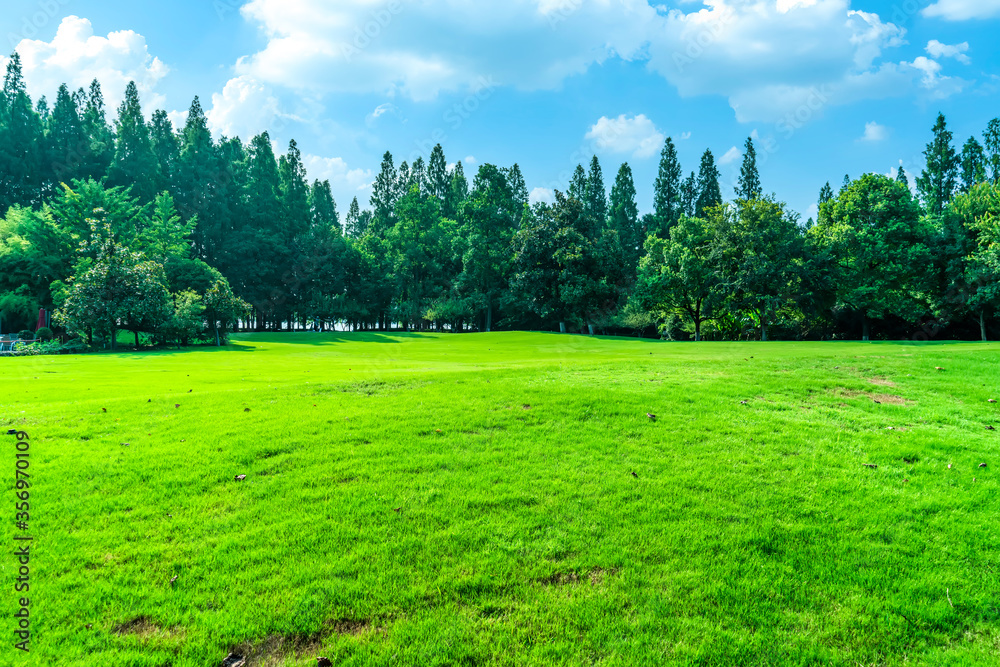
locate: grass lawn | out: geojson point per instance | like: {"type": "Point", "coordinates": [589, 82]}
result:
{"type": "Point", "coordinates": [504, 499]}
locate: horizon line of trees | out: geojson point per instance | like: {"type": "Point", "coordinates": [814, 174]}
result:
{"type": "Point", "coordinates": [134, 225]}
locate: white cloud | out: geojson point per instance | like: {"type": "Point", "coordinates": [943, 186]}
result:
{"type": "Point", "coordinates": [346, 183]}
{"type": "Point", "coordinates": [635, 135]}
{"type": "Point", "coordinates": [937, 86]}
{"type": "Point", "coordinates": [76, 56]}
{"type": "Point", "coordinates": [936, 49]}
{"type": "Point", "coordinates": [178, 118]}
{"type": "Point", "coordinates": [469, 159]}
{"type": "Point", "coordinates": [875, 132]}
{"type": "Point", "coordinates": [766, 57]}
{"type": "Point", "coordinates": [245, 108]}
{"type": "Point", "coordinates": [541, 195]}
{"type": "Point", "coordinates": [963, 10]}
{"type": "Point", "coordinates": [683, 136]}
{"type": "Point", "coordinates": [380, 111]}
{"type": "Point", "coordinates": [732, 155]}
{"type": "Point", "coordinates": [770, 63]}
{"type": "Point", "coordinates": [420, 49]}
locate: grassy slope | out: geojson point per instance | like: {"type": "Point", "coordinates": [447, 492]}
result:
{"type": "Point", "coordinates": [753, 533]}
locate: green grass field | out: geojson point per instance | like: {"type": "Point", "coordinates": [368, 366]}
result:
{"type": "Point", "coordinates": [470, 499]}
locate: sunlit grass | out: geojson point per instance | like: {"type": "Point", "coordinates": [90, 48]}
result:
{"type": "Point", "coordinates": [447, 499]}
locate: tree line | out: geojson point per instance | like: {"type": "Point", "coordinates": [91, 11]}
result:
{"type": "Point", "coordinates": [134, 225]}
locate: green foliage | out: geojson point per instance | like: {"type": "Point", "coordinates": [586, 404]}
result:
{"type": "Point", "coordinates": [938, 181]}
{"type": "Point", "coordinates": [678, 276]}
{"type": "Point", "coordinates": [624, 220]}
{"type": "Point", "coordinates": [668, 199]}
{"type": "Point", "coordinates": [973, 164]}
{"type": "Point", "coordinates": [187, 320]}
{"type": "Point", "coordinates": [748, 186]}
{"type": "Point", "coordinates": [120, 290]}
{"type": "Point", "coordinates": [709, 192]}
{"type": "Point", "coordinates": [134, 165]}
{"type": "Point", "coordinates": [44, 333]}
{"type": "Point", "coordinates": [556, 265]}
{"type": "Point", "coordinates": [760, 255]}
{"type": "Point", "coordinates": [490, 216]}
{"type": "Point", "coordinates": [876, 241]}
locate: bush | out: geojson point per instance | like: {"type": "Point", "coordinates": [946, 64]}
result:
{"type": "Point", "coordinates": [26, 334]}
{"type": "Point", "coordinates": [44, 333]}
{"type": "Point", "coordinates": [74, 346]}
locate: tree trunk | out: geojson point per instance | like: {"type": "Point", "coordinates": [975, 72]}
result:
{"type": "Point", "coordinates": [562, 327]}
{"type": "Point", "coordinates": [697, 330]}
{"type": "Point", "coordinates": [218, 341]}
{"type": "Point", "coordinates": [136, 339]}
{"type": "Point", "coordinates": [114, 338]}
{"type": "Point", "coordinates": [763, 330]}
{"type": "Point", "coordinates": [982, 324]}
{"type": "Point", "coordinates": [864, 328]}
{"type": "Point", "coordinates": [489, 317]}
{"type": "Point", "coordinates": [590, 328]}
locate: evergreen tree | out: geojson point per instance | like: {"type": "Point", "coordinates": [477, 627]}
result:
{"type": "Point", "coordinates": [259, 245]}
{"type": "Point", "coordinates": [404, 179]}
{"type": "Point", "coordinates": [489, 215]}
{"type": "Point", "coordinates": [625, 217]}
{"type": "Point", "coordinates": [578, 185]}
{"type": "Point", "coordinates": [42, 109]}
{"type": "Point", "coordinates": [973, 163]}
{"type": "Point", "coordinates": [457, 193]}
{"type": "Point", "coordinates": [689, 195]}
{"type": "Point", "coordinates": [518, 189]}
{"type": "Point", "coordinates": [749, 182]}
{"type": "Point", "coordinates": [294, 191]}
{"type": "Point", "coordinates": [166, 148]}
{"type": "Point", "coordinates": [825, 193]}
{"type": "Point", "coordinates": [596, 203]}
{"type": "Point", "coordinates": [134, 163]}
{"type": "Point", "coordinates": [709, 192]}
{"type": "Point", "coordinates": [352, 224]}
{"type": "Point", "coordinates": [438, 181]}
{"type": "Point", "coordinates": [668, 197]}
{"type": "Point", "coordinates": [100, 150]}
{"type": "Point", "coordinates": [936, 184]}
{"type": "Point", "coordinates": [991, 143]}
{"type": "Point", "coordinates": [322, 207]}
{"type": "Point", "coordinates": [201, 186]}
{"type": "Point", "coordinates": [901, 177]}
{"type": "Point", "coordinates": [66, 141]}
{"type": "Point", "coordinates": [21, 136]}
{"type": "Point", "coordinates": [418, 175]}
{"type": "Point", "coordinates": [383, 197]}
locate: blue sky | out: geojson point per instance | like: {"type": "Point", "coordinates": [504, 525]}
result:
{"type": "Point", "coordinates": [827, 87]}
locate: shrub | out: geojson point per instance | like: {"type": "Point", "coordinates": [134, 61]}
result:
{"type": "Point", "coordinates": [44, 333]}
{"type": "Point", "coordinates": [75, 346]}
{"type": "Point", "coordinates": [26, 334]}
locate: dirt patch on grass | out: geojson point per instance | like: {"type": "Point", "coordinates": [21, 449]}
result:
{"type": "Point", "coordinates": [347, 626]}
{"type": "Point", "coordinates": [595, 577]}
{"type": "Point", "coordinates": [274, 650]}
{"type": "Point", "coordinates": [882, 382]}
{"type": "Point", "coordinates": [146, 628]}
{"type": "Point", "coordinates": [890, 399]}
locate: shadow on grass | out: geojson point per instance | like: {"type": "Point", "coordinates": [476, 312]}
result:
{"type": "Point", "coordinates": [331, 337]}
